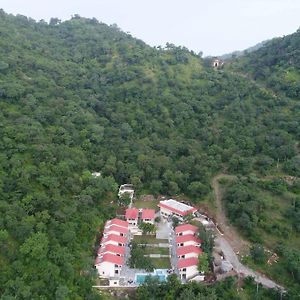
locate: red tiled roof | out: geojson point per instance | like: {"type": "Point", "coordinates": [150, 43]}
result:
{"type": "Point", "coordinates": [113, 249]}
{"type": "Point", "coordinates": [186, 227]}
{"type": "Point", "coordinates": [117, 222]}
{"type": "Point", "coordinates": [187, 262]}
{"type": "Point", "coordinates": [188, 249]}
{"type": "Point", "coordinates": [174, 210]}
{"type": "Point", "coordinates": [148, 213]}
{"type": "Point", "coordinates": [118, 260]}
{"type": "Point", "coordinates": [114, 237]}
{"type": "Point", "coordinates": [131, 213]}
{"type": "Point", "coordinates": [186, 238]}
{"type": "Point", "coordinates": [116, 228]}
{"type": "Point", "coordinates": [97, 261]}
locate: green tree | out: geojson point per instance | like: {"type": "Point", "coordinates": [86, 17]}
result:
{"type": "Point", "coordinates": [203, 264]}
{"type": "Point", "coordinates": [147, 228]}
{"type": "Point", "coordinates": [258, 253]}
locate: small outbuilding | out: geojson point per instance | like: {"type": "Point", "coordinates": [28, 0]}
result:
{"type": "Point", "coordinates": [148, 215]}
{"type": "Point", "coordinates": [132, 216]}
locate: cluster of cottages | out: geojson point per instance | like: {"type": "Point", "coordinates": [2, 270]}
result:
{"type": "Point", "coordinates": [187, 243]}
{"type": "Point", "coordinates": [135, 216]}
{"type": "Point", "coordinates": [111, 253]}
{"type": "Point", "coordinates": [188, 251]}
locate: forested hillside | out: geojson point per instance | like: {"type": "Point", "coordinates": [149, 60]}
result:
{"type": "Point", "coordinates": [80, 96]}
{"type": "Point", "coordinates": [277, 64]}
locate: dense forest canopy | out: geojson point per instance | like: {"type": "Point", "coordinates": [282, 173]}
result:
{"type": "Point", "coordinates": [277, 64]}
{"type": "Point", "coordinates": [80, 96]}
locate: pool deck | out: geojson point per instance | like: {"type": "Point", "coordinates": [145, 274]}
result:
{"type": "Point", "coordinates": [156, 273]}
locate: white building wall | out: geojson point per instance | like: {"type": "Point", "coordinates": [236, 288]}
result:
{"type": "Point", "coordinates": [150, 221]}
{"type": "Point", "coordinates": [189, 272]}
{"type": "Point", "coordinates": [107, 269]}
{"type": "Point", "coordinates": [114, 253]}
{"type": "Point", "coordinates": [188, 243]}
{"type": "Point", "coordinates": [188, 255]}
{"type": "Point", "coordinates": [114, 232]}
{"type": "Point", "coordinates": [165, 212]}
{"type": "Point", "coordinates": [186, 232]}
{"type": "Point", "coordinates": [114, 282]}
{"type": "Point", "coordinates": [132, 222]}
{"type": "Point", "coordinates": [112, 242]}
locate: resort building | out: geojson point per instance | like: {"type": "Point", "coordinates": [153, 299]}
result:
{"type": "Point", "coordinates": [174, 208]}
{"type": "Point", "coordinates": [111, 252]}
{"type": "Point", "coordinates": [188, 251]}
{"type": "Point", "coordinates": [113, 239]}
{"type": "Point", "coordinates": [109, 265]}
{"type": "Point", "coordinates": [185, 229]}
{"type": "Point", "coordinates": [112, 249]}
{"type": "Point", "coordinates": [188, 268]}
{"type": "Point", "coordinates": [117, 230]}
{"type": "Point", "coordinates": [116, 222]}
{"type": "Point", "coordinates": [187, 240]}
{"type": "Point", "coordinates": [132, 216]}
{"type": "Point", "coordinates": [148, 215]}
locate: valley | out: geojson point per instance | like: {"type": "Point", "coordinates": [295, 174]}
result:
{"type": "Point", "coordinates": [85, 107]}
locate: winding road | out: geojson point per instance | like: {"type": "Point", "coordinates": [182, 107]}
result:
{"type": "Point", "coordinates": [231, 242]}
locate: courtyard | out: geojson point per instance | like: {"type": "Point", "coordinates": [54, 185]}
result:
{"type": "Point", "coordinates": [153, 248]}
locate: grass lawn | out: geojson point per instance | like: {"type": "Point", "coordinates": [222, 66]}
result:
{"type": "Point", "coordinates": [149, 239]}
{"type": "Point", "coordinates": [146, 204]}
{"type": "Point", "coordinates": [161, 263]}
{"type": "Point", "coordinates": [157, 250]}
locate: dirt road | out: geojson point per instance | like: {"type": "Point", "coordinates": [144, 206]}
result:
{"type": "Point", "coordinates": [230, 233]}
{"type": "Point", "coordinates": [231, 242]}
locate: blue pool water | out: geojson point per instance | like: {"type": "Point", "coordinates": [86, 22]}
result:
{"type": "Point", "coordinates": [160, 274]}
{"type": "Point", "coordinates": [140, 278]}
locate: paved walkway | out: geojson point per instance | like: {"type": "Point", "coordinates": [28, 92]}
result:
{"type": "Point", "coordinates": [156, 255]}
{"type": "Point", "coordinates": [163, 229]}
{"type": "Point", "coordinates": [159, 245]}
{"type": "Point", "coordinates": [173, 259]}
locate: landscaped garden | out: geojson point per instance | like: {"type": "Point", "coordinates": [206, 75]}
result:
{"type": "Point", "coordinates": [137, 259]}
{"type": "Point", "coordinates": [148, 239]}
{"type": "Point", "coordinates": [157, 250]}
{"type": "Point", "coordinates": [161, 262]}
{"type": "Point", "coordinates": [140, 253]}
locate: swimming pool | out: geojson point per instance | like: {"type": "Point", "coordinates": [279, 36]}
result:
{"type": "Point", "coordinates": [160, 274]}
